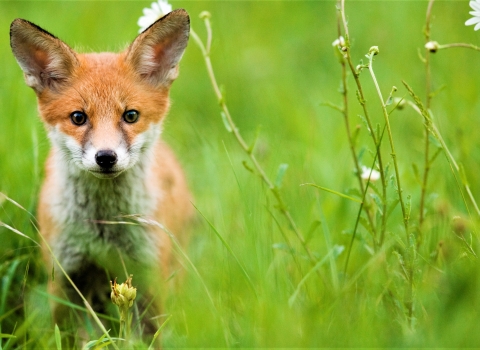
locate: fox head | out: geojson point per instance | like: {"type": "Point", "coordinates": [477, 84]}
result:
{"type": "Point", "coordinates": [102, 111]}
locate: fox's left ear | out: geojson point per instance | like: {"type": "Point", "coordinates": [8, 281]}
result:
{"type": "Point", "coordinates": [155, 53]}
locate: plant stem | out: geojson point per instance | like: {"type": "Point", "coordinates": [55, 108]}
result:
{"type": "Point", "coordinates": [122, 328]}
{"type": "Point", "coordinates": [436, 133]}
{"type": "Point", "coordinates": [428, 98]}
{"type": "Point", "coordinates": [346, 118]}
{"type": "Point", "coordinates": [465, 45]}
{"type": "Point", "coordinates": [362, 102]}
{"type": "Point", "coordinates": [249, 150]}
{"type": "Point", "coordinates": [392, 146]}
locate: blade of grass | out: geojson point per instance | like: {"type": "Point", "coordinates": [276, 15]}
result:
{"type": "Point", "coordinates": [227, 246]}
{"type": "Point", "coordinates": [328, 240]}
{"type": "Point", "coordinates": [332, 191]}
{"type": "Point", "coordinates": [179, 249]}
{"type": "Point", "coordinates": [58, 338]}
{"type": "Point", "coordinates": [157, 333]}
{"type": "Point", "coordinates": [335, 250]}
{"type": "Point", "coordinates": [50, 251]}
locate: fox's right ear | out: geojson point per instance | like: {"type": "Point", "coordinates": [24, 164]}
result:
{"type": "Point", "coordinates": [46, 61]}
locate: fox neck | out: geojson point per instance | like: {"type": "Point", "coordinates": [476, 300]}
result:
{"type": "Point", "coordinates": [89, 209]}
{"type": "Point", "coordinates": [93, 199]}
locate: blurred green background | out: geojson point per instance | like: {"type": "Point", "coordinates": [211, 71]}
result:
{"type": "Point", "coordinates": [276, 63]}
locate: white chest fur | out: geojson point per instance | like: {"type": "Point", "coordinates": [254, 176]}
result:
{"type": "Point", "coordinates": [85, 208]}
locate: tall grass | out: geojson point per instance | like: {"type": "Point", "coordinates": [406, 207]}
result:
{"type": "Point", "coordinates": [346, 261]}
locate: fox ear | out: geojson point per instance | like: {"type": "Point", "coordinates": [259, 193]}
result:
{"type": "Point", "coordinates": [46, 61]}
{"type": "Point", "coordinates": [155, 53]}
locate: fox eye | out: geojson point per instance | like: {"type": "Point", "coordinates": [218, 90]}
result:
{"type": "Point", "coordinates": [131, 116]}
{"type": "Point", "coordinates": [78, 118]}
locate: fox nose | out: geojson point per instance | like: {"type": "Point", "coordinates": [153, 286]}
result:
{"type": "Point", "coordinates": [106, 158]}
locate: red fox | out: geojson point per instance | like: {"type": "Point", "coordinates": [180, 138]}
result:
{"type": "Point", "coordinates": [103, 113]}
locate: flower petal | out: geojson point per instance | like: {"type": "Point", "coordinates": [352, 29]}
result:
{"type": "Point", "coordinates": [156, 7]}
{"type": "Point", "coordinates": [144, 21]}
{"type": "Point", "coordinates": [475, 5]}
{"type": "Point", "coordinates": [150, 13]}
{"type": "Point", "coordinates": [157, 10]}
{"type": "Point", "coordinates": [477, 27]}
{"type": "Point", "coordinates": [165, 7]}
{"type": "Point", "coordinates": [472, 21]}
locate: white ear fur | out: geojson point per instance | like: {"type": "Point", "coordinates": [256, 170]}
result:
{"type": "Point", "coordinates": [155, 53]}
{"type": "Point", "coordinates": [46, 61]}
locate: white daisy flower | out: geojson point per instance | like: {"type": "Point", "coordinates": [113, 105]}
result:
{"type": "Point", "coordinates": [475, 5]}
{"type": "Point", "coordinates": [369, 173]}
{"type": "Point", "coordinates": [150, 15]}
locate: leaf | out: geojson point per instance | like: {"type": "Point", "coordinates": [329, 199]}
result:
{"type": "Point", "coordinates": [392, 206]}
{"type": "Point", "coordinates": [360, 99]}
{"type": "Point", "coordinates": [393, 182]}
{"type": "Point", "coordinates": [254, 142]}
{"type": "Point", "coordinates": [369, 249]}
{"type": "Point", "coordinates": [437, 91]}
{"type": "Point", "coordinates": [389, 100]}
{"type": "Point", "coordinates": [379, 134]}
{"type": "Point", "coordinates": [333, 106]}
{"type": "Point", "coordinates": [280, 174]}
{"type": "Point", "coordinates": [58, 338]}
{"type": "Point", "coordinates": [100, 343]}
{"type": "Point", "coordinates": [229, 249]}
{"type": "Point", "coordinates": [315, 224]}
{"type": "Point", "coordinates": [332, 191]}
{"type": "Point", "coordinates": [157, 333]}
{"type": "Point", "coordinates": [434, 140]}
{"type": "Point", "coordinates": [365, 123]}
{"type": "Point", "coordinates": [18, 232]}
{"type": "Point", "coordinates": [463, 176]}
{"type": "Point", "coordinates": [248, 167]}
{"type": "Point", "coordinates": [335, 251]}
{"type": "Point", "coordinates": [374, 187]}
{"type": "Point", "coordinates": [408, 207]}
{"type": "Point", "coordinates": [225, 122]}
{"type": "Point", "coordinates": [354, 192]}
{"type": "Point", "coordinates": [416, 173]}
{"type": "Point", "coordinates": [3, 335]}
{"type": "Point", "coordinates": [386, 171]}
{"type": "Point", "coordinates": [365, 224]}
{"type": "Point", "coordinates": [378, 202]}
{"type": "Point", "coordinates": [281, 246]}
{"type": "Point", "coordinates": [361, 153]}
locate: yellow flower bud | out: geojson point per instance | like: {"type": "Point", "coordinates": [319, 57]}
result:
{"type": "Point", "coordinates": [123, 294]}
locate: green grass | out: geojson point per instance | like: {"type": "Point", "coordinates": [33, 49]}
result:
{"type": "Point", "coordinates": [276, 64]}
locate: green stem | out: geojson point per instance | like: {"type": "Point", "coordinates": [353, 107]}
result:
{"type": "Point", "coordinates": [428, 98]}
{"type": "Point", "coordinates": [346, 118]}
{"type": "Point", "coordinates": [122, 328]}
{"type": "Point", "coordinates": [281, 204]}
{"type": "Point", "coordinates": [449, 155]}
{"type": "Point", "coordinates": [465, 45]}
{"type": "Point", "coordinates": [376, 141]}
{"type": "Point", "coordinates": [392, 146]}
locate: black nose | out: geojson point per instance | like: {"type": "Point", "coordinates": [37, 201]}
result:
{"type": "Point", "coordinates": [106, 158]}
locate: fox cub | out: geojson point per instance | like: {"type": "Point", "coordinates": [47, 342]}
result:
{"type": "Point", "coordinates": [103, 113]}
